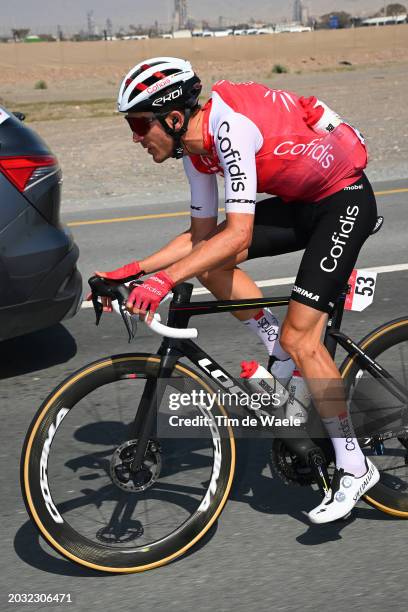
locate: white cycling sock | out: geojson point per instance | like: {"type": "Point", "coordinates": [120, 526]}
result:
{"type": "Point", "coordinates": [266, 326]}
{"type": "Point", "coordinates": [349, 455]}
{"type": "Point", "coordinates": [282, 369]}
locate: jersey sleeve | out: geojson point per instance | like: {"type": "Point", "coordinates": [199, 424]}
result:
{"type": "Point", "coordinates": [237, 140]}
{"type": "Point", "coordinates": [204, 191]}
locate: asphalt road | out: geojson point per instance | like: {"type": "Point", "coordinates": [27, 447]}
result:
{"type": "Point", "coordinates": [262, 554]}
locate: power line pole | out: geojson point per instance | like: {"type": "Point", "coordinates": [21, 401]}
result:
{"type": "Point", "coordinates": [297, 11]}
{"type": "Point", "coordinates": [180, 10]}
{"type": "Point", "coordinates": [91, 23]}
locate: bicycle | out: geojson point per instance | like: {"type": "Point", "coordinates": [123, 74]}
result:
{"type": "Point", "coordinates": [140, 500]}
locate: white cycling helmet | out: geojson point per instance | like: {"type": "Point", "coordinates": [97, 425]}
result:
{"type": "Point", "coordinates": [159, 84]}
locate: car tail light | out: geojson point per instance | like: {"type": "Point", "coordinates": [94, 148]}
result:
{"type": "Point", "coordinates": [26, 170]}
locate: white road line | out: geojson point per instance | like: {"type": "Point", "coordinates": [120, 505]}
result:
{"type": "Point", "coordinates": [288, 280]}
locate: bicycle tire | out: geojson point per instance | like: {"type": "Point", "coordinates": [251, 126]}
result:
{"type": "Point", "coordinates": [384, 337]}
{"type": "Point", "coordinates": [61, 536]}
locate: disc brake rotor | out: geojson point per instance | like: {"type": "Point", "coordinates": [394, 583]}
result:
{"type": "Point", "coordinates": [143, 478]}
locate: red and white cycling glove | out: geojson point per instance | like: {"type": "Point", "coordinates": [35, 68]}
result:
{"type": "Point", "coordinates": [128, 272]}
{"type": "Point", "coordinates": [147, 297]}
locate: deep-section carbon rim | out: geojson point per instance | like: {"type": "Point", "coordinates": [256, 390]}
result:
{"type": "Point", "coordinates": [388, 345]}
{"type": "Point", "coordinates": [39, 481]}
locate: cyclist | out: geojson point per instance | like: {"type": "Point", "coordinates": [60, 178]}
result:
{"type": "Point", "coordinates": [267, 141]}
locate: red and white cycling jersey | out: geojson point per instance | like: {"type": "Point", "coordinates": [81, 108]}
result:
{"type": "Point", "coordinates": [259, 139]}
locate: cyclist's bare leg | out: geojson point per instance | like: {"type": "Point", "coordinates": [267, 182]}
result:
{"type": "Point", "coordinates": [225, 283]}
{"type": "Point", "coordinates": [232, 283]}
{"type": "Point", "coordinates": [229, 282]}
{"type": "Point", "coordinates": [301, 337]}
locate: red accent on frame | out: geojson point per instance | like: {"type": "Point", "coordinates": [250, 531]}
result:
{"type": "Point", "coordinates": [349, 297]}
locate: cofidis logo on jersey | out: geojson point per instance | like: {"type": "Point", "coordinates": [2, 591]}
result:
{"type": "Point", "coordinates": [321, 153]}
{"type": "Point", "coordinates": [231, 158]}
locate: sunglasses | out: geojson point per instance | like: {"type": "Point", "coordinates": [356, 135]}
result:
{"type": "Point", "coordinates": [140, 125]}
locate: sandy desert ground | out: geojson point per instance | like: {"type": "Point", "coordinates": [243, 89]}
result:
{"type": "Point", "coordinates": [76, 113]}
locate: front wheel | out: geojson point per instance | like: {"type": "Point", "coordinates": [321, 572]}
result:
{"type": "Point", "coordinates": [371, 402]}
{"type": "Point", "coordinates": [76, 476]}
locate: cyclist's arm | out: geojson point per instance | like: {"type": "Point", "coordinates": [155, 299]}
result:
{"type": "Point", "coordinates": [237, 140]}
{"type": "Point", "coordinates": [204, 212]}
{"type": "Point", "coordinates": [204, 192]}
{"type": "Point", "coordinates": [178, 248]}
{"type": "Point", "coordinates": [204, 201]}
{"type": "Point", "coordinates": [181, 246]}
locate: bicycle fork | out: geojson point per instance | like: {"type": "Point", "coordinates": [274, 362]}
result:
{"type": "Point", "coordinates": [146, 416]}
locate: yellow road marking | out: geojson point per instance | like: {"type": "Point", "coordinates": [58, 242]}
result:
{"type": "Point", "coordinates": [123, 219]}
{"type": "Point", "coordinates": [391, 191]}
{"type": "Point", "coordinates": [185, 214]}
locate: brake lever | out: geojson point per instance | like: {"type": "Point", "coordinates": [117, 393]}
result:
{"type": "Point", "coordinates": [131, 326]}
{"type": "Point", "coordinates": [98, 307]}
{"type": "Point", "coordinates": [116, 292]}
{"type": "Point", "coordinates": [122, 294]}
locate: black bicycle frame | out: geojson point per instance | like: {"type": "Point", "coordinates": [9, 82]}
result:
{"type": "Point", "coordinates": [171, 350]}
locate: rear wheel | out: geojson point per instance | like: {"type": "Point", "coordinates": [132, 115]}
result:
{"type": "Point", "coordinates": [76, 474]}
{"type": "Point", "coordinates": [373, 404]}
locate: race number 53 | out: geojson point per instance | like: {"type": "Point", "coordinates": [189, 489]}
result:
{"type": "Point", "coordinates": [362, 287]}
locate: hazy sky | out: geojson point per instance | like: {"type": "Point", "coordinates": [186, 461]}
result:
{"type": "Point", "coordinates": [71, 14]}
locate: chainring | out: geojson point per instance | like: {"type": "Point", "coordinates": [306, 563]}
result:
{"type": "Point", "coordinates": [287, 465]}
